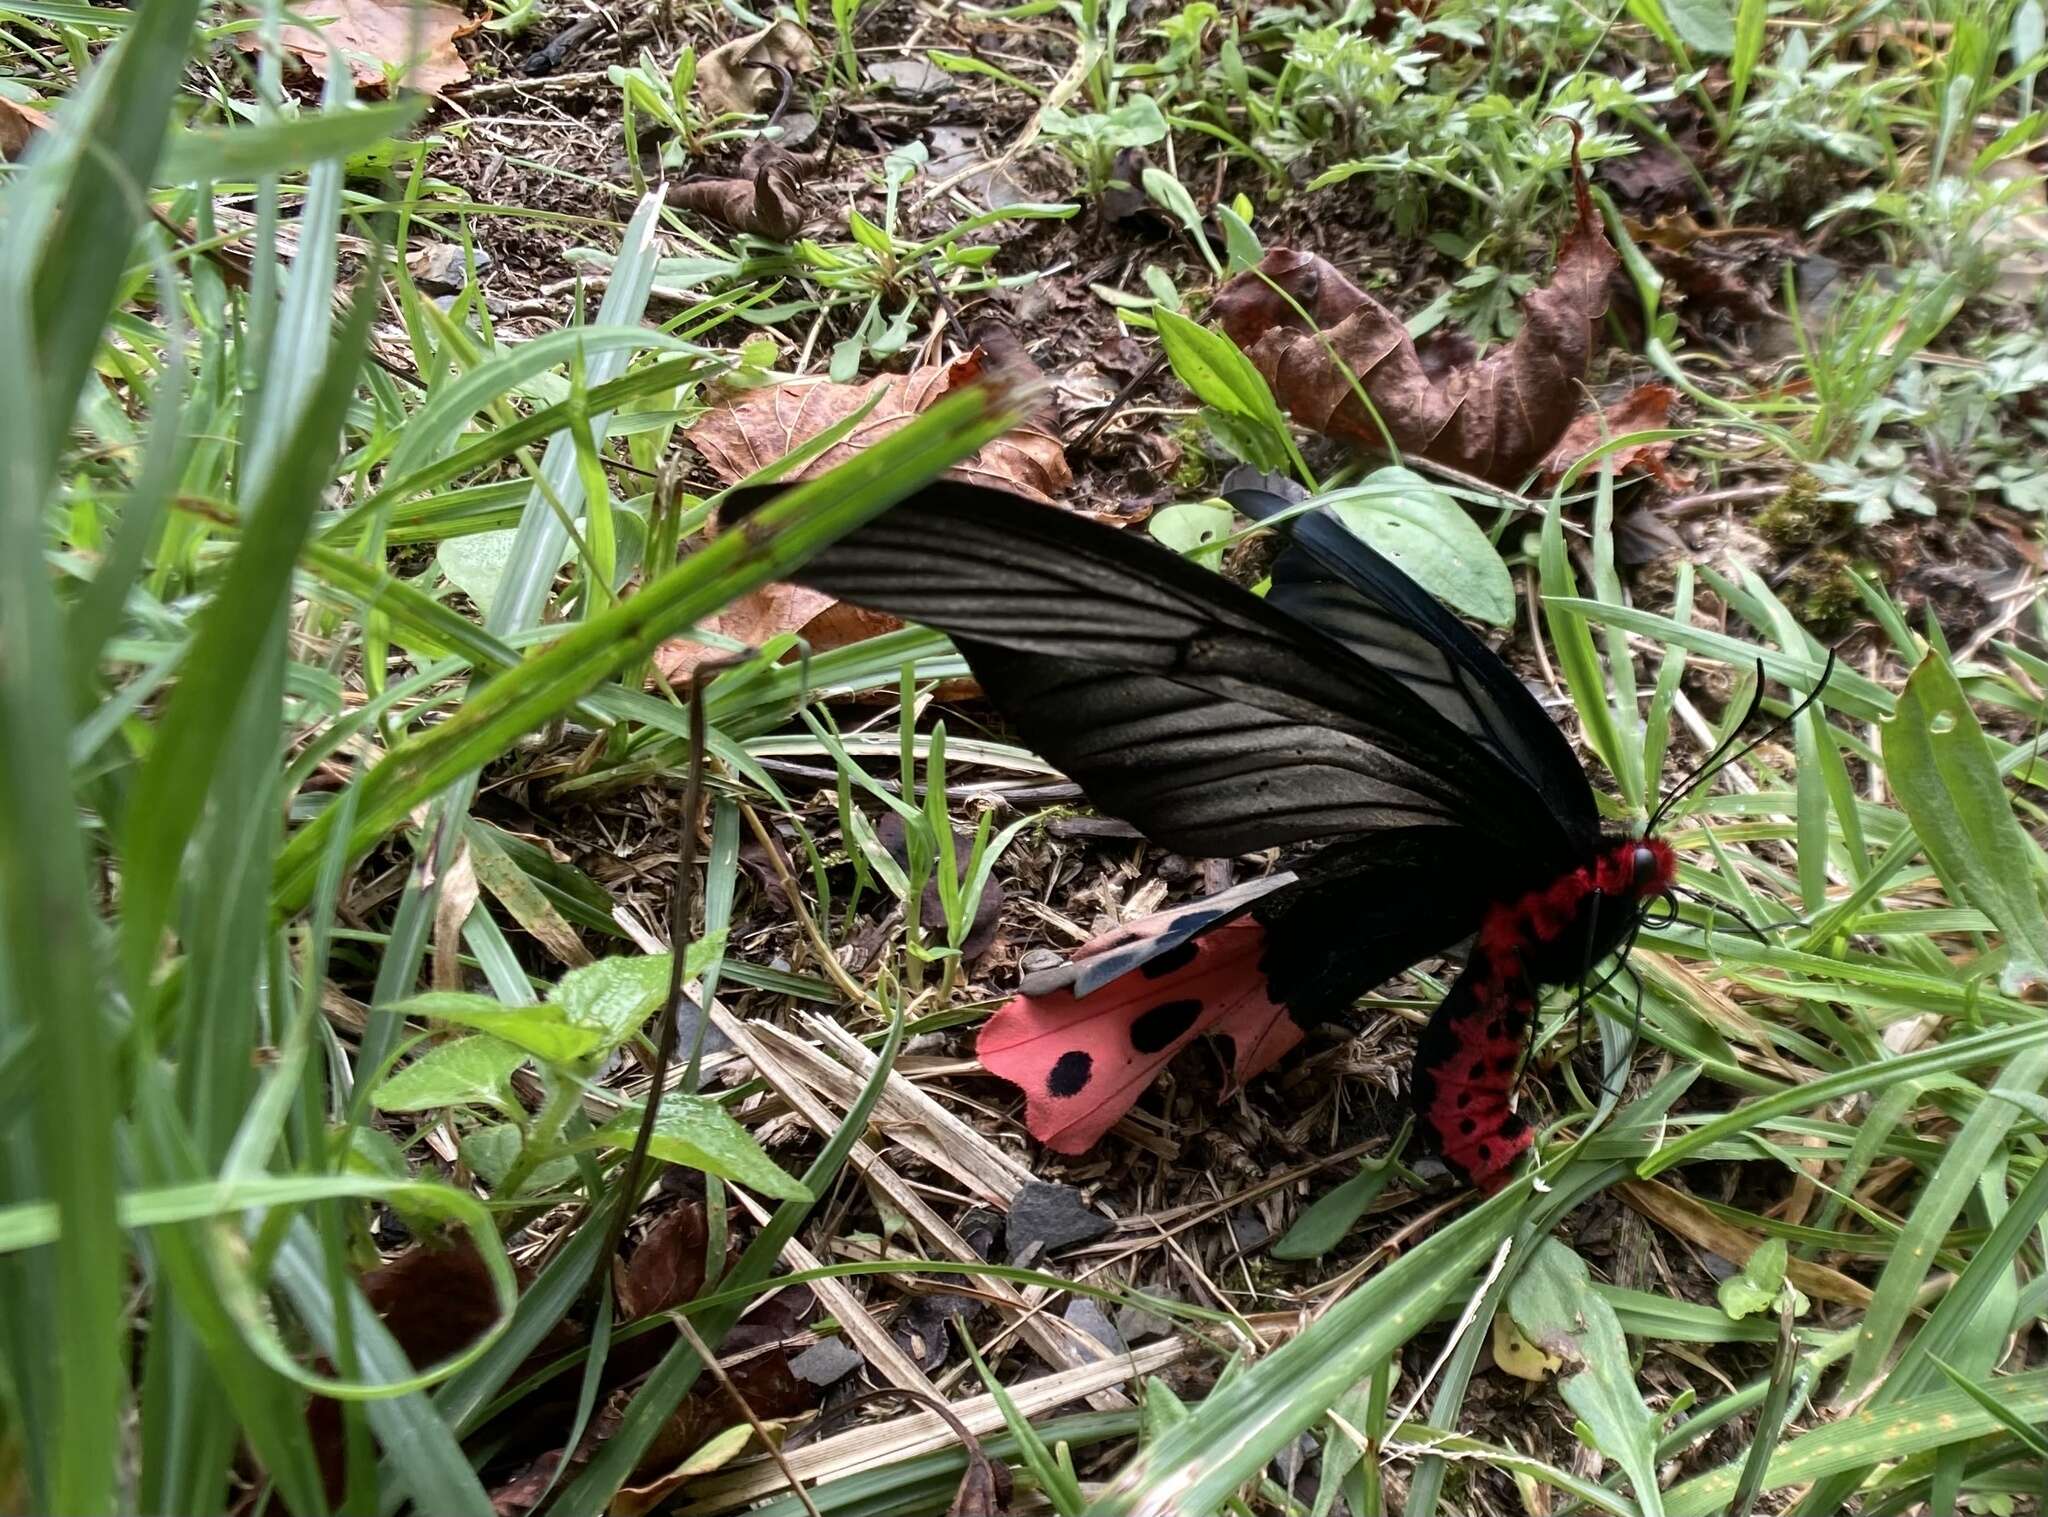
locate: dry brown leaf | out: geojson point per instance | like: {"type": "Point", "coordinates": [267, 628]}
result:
{"type": "Point", "coordinates": [752, 619]}
{"type": "Point", "coordinates": [1646, 408]}
{"type": "Point", "coordinates": [411, 41]}
{"type": "Point", "coordinates": [1494, 418]}
{"type": "Point", "coordinates": [745, 431]}
{"type": "Point", "coordinates": [767, 199]}
{"type": "Point", "coordinates": [18, 127]}
{"type": "Point", "coordinates": [1677, 1212]}
{"type": "Point", "coordinates": [735, 77]}
{"type": "Point", "coordinates": [667, 1268]}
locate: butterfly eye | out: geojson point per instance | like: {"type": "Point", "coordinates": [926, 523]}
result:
{"type": "Point", "coordinates": [1643, 865]}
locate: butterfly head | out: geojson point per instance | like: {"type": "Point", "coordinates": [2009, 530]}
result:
{"type": "Point", "coordinates": [1637, 869]}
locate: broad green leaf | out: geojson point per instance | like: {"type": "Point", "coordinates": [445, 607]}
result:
{"type": "Point", "coordinates": [696, 1132]}
{"type": "Point", "coordinates": [1138, 122]}
{"type": "Point", "coordinates": [475, 564]}
{"type": "Point", "coordinates": [1324, 1224]}
{"type": "Point", "coordinates": [1430, 538]}
{"type": "Point", "coordinates": [471, 1071]}
{"type": "Point", "coordinates": [1704, 26]}
{"type": "Point", "coordinates": [1190, 525]}
{"type": "Point", "coordinates": [546, 1032]}
{"type": "Point", "coordinates": [1240, 242]}
{"type": "Point", "coordinates": [1755, 1287]}
{"type": "Point", "coordinates": [1211, 365]}
{"type": "Point", "coordinates": [492, 1151]}
{"type": "Point", "coordinates": [1556, 1307]}
{"type": "Point", "coordinates": [1941, 768]}
{"type": "Point", "coordinates": [614, 996]}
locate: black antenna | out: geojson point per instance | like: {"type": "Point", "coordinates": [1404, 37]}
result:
{"type": "Point", "coordinates": [1709, 767]}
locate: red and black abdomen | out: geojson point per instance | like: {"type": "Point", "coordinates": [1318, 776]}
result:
{"type": "Point", "coordinates": [1465, 1065]}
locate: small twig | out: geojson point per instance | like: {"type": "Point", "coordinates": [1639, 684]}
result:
{"type": "Point", "coordinates": [710, 1362]}
{"type": "Point", "coordinates": [681, 904]}
{"type": "Point", "coordinates": [827, 958]}
{"type": "Point", "coordinates": [1118, 401]}
{"type": "Point", "coordinates": [492, 89]}
{"type": "Point", "coordinates": [547, 58]}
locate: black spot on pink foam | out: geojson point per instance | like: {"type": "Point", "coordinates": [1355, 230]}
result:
{"type": "Point", "coordinates": [1157, 1030]}
{"type": "Point", "coordinates": [1070, 1075]}
{"type": "Point", "coordinates": [1170, 961]}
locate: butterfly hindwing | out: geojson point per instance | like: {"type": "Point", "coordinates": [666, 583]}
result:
{"type": "Point", "coordinates": [1082, 1061]}
{"type": "Point", "coordinates": [1132, 945]}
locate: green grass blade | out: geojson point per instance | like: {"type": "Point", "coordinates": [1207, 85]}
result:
{"type": "Point", "coordinates": [1229, 1438]}
{"type": "Point", "coordinates": [770, 545]}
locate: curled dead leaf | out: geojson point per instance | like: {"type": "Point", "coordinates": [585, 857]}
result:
{"type": "Point", "coordinates": [1646, 408]}
{"type": "Point", "coordinates": [1690, 1219]}
{"type": "Point", "coordinates": [739, 76]}
{"type": "Point", "coordinates": [410, 41]}
{"type": "Point", "coordinates": [750, 429]}
{"type": "Point", "coordinates": [766, 199]}
{"type": "Point", "coordinates": [1494, 418]}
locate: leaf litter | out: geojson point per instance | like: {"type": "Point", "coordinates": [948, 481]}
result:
{"type": "Point", "coordinates": [1494, 418]}
{"type": "Point", "coordinates": [411, 41]}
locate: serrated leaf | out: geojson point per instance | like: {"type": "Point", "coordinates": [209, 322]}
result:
{"type": "Point", "coordinates": [1557, 1309]}
{"type": "Point", "coordinates": [1430, 538]}
{"type": "Point", "coordinates": [697, 1133]}
{"type": "Point", "coordinates": [614, 996]}
{"type": "Point", "coordinates": [1941, 768]}
{"type": "Point", "coordinates": [471, 1071]}
{"type": "Point", "coordinates": [546, 1032]}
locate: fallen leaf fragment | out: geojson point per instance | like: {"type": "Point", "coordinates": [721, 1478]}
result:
{"type": "Point", "coordinates": [411, 42]}
{"type": "Point", "coordinates": [766, 199]}
{"type": "Point", "coordinates": [750, 429]}
{"type": "Point", "coordinates": [1495, 418]}
{"type": "Point", "coordinates": [1517, 1356]}
{"type": "Point", "coordinates": [1647, 408]}
{"type": "Point", "coordinates": [18, 127]}
{"type": "Point", "coordinates": [737, 77]}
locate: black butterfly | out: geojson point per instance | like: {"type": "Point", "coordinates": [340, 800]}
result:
{"type": "Point", "coordinates": [1346, 708]}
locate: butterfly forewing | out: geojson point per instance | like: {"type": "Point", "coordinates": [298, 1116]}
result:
{"type": "Point", "coordinates": [1331, 579]}
{"type": "Point", "coordinates": [1209, 720]}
